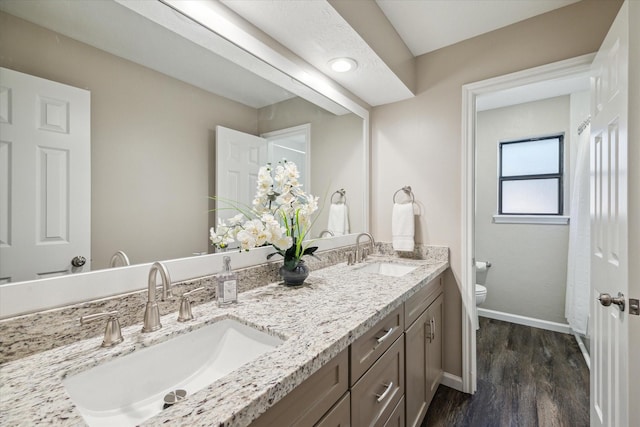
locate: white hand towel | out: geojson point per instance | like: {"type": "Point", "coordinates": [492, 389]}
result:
{"type": "Point", "coordinates": [338, 219]}
{"type": "Point", "coordinates": [402, 227]}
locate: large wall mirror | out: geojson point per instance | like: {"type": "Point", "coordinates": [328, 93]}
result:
{"type": "Point", "coordinates": [157, 95]}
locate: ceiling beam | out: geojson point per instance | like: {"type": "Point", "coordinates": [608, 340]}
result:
{"type": "Point", "coordinates": [368, 20]}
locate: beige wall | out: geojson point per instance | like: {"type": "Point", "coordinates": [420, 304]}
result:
{"type": "Point", "coordinates": [418, 142]}
{"type": "Point", "coordinates": [336, 154]}
{"type": "Point", "coordinates": [152, 143]}
{"type": "Point", "coordinates": [529, 261]}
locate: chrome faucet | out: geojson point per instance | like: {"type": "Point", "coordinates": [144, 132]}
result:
{"type": "Point", "coordinates": [152, 313]}
{"type": "Point", "coordinates": [323, 232]}
{"type": "Point", "coordinates": [120, 255]}
{"type": "Point", "coordinates": [372, 242]}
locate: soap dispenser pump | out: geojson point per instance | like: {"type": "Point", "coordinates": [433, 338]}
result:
{"type": "Point", "coordinates": [227, 291]}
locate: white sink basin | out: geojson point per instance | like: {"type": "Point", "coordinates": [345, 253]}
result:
{"type": "Point", "coordinates": [131, 389]}
{"type": "Point", "coordinates": [388, 268]}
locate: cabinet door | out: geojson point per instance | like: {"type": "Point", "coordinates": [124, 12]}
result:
{"type": "Point", "coordinates": [423, 361]}
{"type": "Point", "coordinates": [417, 354]}
{"type": "Point", "coordinates": [397, 417]}
{"type": "Point", "coordinates": [373, 343]}
{"type": "Point", "coordinates": [418, 303]}
{"type": "Point", "coordinates": [375, 396]}
{"type": "Point", "coordinates": [339, 415]}
{"type": "Point", "coordinates": [308, 402]}
{"type": "Point", "coordinates": [434, 347]}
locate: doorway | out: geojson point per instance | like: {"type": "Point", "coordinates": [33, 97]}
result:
{"type": "Point", "coordinates": [472, 93]}
{"type": "Point", "coordinates": [293, 144]}
{"type": "Point", "coordinates": [528, 149]}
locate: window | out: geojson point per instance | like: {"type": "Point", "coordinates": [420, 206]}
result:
{"type": "Point", "coordinates": [530, 181]}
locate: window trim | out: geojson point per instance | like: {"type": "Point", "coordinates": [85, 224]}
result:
{"type": "Point", "coordinates": [559, 175]}
{"type": "Point", "coordinates": [531, 219]}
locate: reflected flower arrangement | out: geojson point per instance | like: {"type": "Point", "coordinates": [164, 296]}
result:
{"type": "Point", "coordinates": [281, 215]}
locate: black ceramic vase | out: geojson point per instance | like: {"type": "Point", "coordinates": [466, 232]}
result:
{"type": "Point", "coordinates": [295, 277]}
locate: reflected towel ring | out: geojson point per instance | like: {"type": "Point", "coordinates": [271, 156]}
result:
{"type": "Point", "coordinates": [407, 190]}
{"type": "Point", "coordinates": [342, 194]}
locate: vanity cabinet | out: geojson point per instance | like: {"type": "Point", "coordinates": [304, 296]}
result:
{"type": "Point", "coordinates": [369, 396]}
{"type": "Point", "coordinates": [397, 417]}
{"type": "Point", "coordinates": [423, 351]}
{"type": "Point", "coordinates": [375, 396]}
{"type": "Point", "coordinates": [312, 400]}
{"type": "Point", "coordinates": [339, 415]}
{"type": "Point", "coordinates": [377, 371]}
{"type": "Point", "coordinates": [370, 346]}
{"type": "Point", "coordinates": [386, 378]}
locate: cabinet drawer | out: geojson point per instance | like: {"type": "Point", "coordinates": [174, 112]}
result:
{"type": "Point", "coordinates": [369, 347]}
{"type": "Point", "coordinates": [339, 415]}
{"type": "Point", "coordinates": [308, 402]}
{"type": "Point", "coordinates": [419, 302]}
{"type": "Point", "coordinates": [375, 396]}
{"type": "Point", "coordinates": [397, 418]}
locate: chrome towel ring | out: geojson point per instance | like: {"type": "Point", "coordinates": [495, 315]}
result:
{"type": "Point", "coordinates": [342, 196]}
{"type": "Point", "coordinates": [406, 190]}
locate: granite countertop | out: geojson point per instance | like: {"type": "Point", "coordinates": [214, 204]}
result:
{"type": "Point", "coordinates": [318, 320]}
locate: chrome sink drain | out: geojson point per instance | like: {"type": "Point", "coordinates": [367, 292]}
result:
{"type": "Point", "coordinates": [174, 397]}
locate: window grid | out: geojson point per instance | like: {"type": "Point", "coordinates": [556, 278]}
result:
{"type": "Point", "coordinates": [558, 176]}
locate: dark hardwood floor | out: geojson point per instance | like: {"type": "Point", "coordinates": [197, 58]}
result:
{"type": "Point", "coordinates": [527, 377]}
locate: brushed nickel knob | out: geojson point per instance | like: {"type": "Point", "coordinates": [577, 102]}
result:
{"type": "Point", "coordinates": [112, 331]}
{"type": "Point", "coordinates": [606, 300]}
{"type": "Point", "coordinates": [185, 314]}
{"type": "Point", "coordinates": [78, 261]}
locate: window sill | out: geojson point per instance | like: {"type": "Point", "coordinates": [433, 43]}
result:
{"type": "Point", "coordinates": [531, 219]}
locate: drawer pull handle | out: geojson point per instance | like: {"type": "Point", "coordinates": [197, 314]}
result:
{"type": "Point", "coordinates": [388, 389]}
{"type": "Point", "coordinates": [385, 336]}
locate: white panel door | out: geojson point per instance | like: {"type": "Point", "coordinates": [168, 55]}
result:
{"type": "Point", "coordinates": [45, 173]}
{"type": "Point", "coordinates": [609, 227]}
{"type": "Point", "coordinates": [239, 156]}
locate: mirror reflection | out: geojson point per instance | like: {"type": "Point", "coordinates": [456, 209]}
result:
{"type": "Point", "coordinates": [155, 100]}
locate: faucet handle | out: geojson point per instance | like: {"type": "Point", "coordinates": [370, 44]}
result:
{"type": "Point", "coordinates": [185, 305]}
{"type": "Point", "coordinates": [112, 332]}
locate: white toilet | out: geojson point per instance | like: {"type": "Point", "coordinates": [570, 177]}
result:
{"type": "Point", "coordinates": [481, 294]}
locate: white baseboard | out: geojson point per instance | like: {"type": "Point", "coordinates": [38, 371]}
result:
{"type": "Point", "coordinates": [583, 350]}
{"type": "Point", "coordinates": [452, 381]}
{"type": "Point", "coordinates": [527, 321]}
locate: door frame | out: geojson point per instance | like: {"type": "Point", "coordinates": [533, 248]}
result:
{"type": "Point", "coordinates": [470, 92]}
{"type": "Point", "coordinates": [305, 130]}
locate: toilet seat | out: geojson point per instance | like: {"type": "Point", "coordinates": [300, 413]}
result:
{"type": "Point", "coordinates": [481, 295]}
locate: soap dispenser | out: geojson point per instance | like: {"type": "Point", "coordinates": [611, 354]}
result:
{"type": "Point", "coordinates": [227, 291]}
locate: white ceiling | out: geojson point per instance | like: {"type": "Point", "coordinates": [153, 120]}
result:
{"type": "Point", "coordinates": [316, 32]}
{"type": "Point", "coordinates": [533, 92]}
{"type": "Point", "coordinates": [427, 25]}
{"type": "Point", "coordinates": [312, 29]}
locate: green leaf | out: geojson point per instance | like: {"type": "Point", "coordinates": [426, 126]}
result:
{"type": "Point", "coordinates": [310, 250]}
{"type": "Point", "coordinates": [290, 264]}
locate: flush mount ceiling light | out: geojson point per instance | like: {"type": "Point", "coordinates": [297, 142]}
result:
{"type": "Point", "coordinates": [342, 65]}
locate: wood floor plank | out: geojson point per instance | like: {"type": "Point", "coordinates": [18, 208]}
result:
{"type": "Point", "coordinates": [527, 377]}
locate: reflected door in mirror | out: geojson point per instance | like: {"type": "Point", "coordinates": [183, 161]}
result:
{"type": "Point", "coordinates": [239, 157]}
{"type": "Point", "coordinates": [45, 177]}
